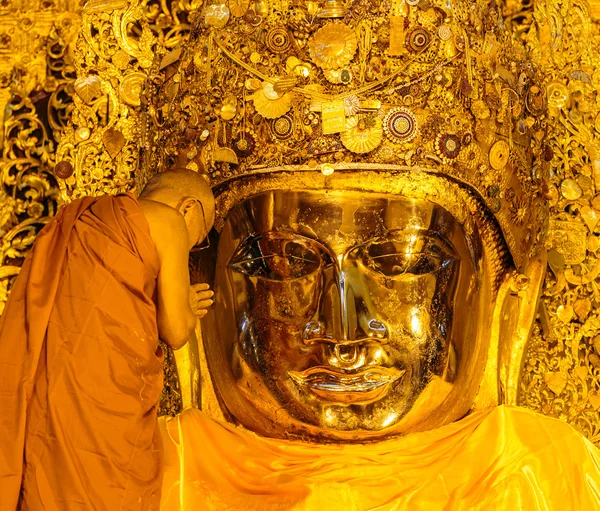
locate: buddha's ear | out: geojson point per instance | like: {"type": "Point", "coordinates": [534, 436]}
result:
{"type": "Point", "coordinates": [519, 318]}
{"type": "Point", "coordinates": [512, 323]}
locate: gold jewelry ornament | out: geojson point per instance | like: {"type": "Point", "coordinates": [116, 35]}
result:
{"type": "Point", "coordinates": [445, 32]}
{"type": "Point", "coordinates": [239, 7]}
{"type": "Point", "coordinates": [279, 40]}
{"type": "Point", "coordinates": [400, 125]}
{"type": "Point", "coordinates": [558, 94]}
{"type": "Point", "coordinates": [363, 134]}
{"type": "Point", "coordinates": [283, 127]}
{"type": "Point", "coordinates": [269, 104]}
{"type": "Point", "coordinates": [333, 46]}
{"type": "Point", "coordinates": [499, 154]}
{"type": "Point", "coordinates": [285, 84]}
{"type": "Point", "coordinates": [332, 9]}
{"type": "Point", "coordinates": [338, 76]}
{"type": "Point", "coordinates": [131, 88]}
{"type": "Point", "coordinates": [217, 15]}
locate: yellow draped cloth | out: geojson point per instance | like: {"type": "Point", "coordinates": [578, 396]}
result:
{"type": "Point", "coordinates": [500, 459]}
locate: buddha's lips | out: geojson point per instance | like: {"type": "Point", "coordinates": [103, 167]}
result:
{"type": "Point", "coordinates": [365, 385]}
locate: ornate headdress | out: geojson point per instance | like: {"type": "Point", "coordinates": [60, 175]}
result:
{"type": "Point", "coordinates": [436, 86]}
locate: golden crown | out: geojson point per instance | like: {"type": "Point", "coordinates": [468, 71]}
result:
{"type": "Point", "coordinates": [437, 86]}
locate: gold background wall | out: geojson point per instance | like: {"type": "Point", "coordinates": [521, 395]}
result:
{"type": "Point", "coordinates": [70, 82]}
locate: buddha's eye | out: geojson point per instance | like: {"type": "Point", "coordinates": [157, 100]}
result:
{"type": "Point", "coordinates": [405, 255]}
{"type": "Point", "coordinates": [277, 258]}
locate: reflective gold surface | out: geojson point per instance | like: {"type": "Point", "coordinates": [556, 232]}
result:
{"type": "Point", "coordinates": [339, 312]}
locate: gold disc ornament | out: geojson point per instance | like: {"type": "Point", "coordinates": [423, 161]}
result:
{"type": "Point", "coordinates": [279, 40]}
{"type": "Point", "coordinates": [283, 127]}
{"type": "Point", "coordinates": [499, 154]}
{"type": "Point", "coordinates": [333, 46]}
{"type": "Point", "coordinates": [239, 7]}
{"type": "Point", "coordinates": [363, 134]}
{"type": "Point", "coordinates": [131, 88]}
{"type": "Point", "coordinates": [400, 125]}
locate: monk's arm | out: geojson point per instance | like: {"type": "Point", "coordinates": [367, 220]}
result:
{"type": "Point", "coordinates": [176, 321]}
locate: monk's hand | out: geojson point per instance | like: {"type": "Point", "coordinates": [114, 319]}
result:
{"type": "Point", "coordinates": [200, 299]}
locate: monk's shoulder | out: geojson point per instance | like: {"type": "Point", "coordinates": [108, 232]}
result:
{"type": "Point", "coordinates": [164, 221]}
{"type": "Point", "coordinates": [161, 214]}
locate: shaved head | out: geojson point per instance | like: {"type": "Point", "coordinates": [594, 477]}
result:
{"type": "Point", "coordinates": [187, 192]}
{"type": "Point", "coordinates": [173, 186]}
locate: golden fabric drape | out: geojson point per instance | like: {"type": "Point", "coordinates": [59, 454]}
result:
{"type": "Point", "coordinates": [80, 366]}
{"type": "Point", "coordinates": [501, 459]}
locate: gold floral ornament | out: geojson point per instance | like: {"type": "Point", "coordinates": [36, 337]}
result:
{"type": "Point", "coordinates": [363, 133]}
{"type": "Point", "coordinates": [400, 125]}
{"type": "Point", "coordinates": [269, 103]}
{"type": "Point", "coordinates": [333, 46]}
{"type": "Point", "coordinates": [448, 146]}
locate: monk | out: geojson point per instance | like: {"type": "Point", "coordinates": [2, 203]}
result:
{"type": "Point", "coordinates": [80, 363]}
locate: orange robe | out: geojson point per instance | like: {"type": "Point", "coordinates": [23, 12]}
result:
{"type": "Point", "coordinates": [503, 459]}
{"type": "Point", "coordinates": [80, 366]}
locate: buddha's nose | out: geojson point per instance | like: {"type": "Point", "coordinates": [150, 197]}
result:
{"type": "Point", "coordinates": [316, 332]}
{"type": "Point", "coordinates": [344, 354]}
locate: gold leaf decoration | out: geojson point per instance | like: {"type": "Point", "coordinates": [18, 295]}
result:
{"type": "Point", "coordinates": [556, 382]}
{"type": "Point", "coordinates": [594, 401]}
{"type": "Point", "coordinates": [581, 372]}
{"type": "Point", "coordinates": [88, 88]}
{"type": "Point", "coordinates": [113, 141]}
{"type": "Point", "coordinates": [565, 313]}
{"type": "Point", "coordinates": [582, 308]}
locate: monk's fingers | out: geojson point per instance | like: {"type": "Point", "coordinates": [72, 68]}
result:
{"type": "Point", "coordinates": [199, 287]}
{"type": "Point", "coordinates": [204, 295]}
{"type": "Point", "coordinates": [204, 304]}
{"type": "Point", "coordinates": [200, 313]}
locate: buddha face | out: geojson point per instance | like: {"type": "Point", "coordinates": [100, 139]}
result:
{"type": "Point", "coordinates": [344, 315]}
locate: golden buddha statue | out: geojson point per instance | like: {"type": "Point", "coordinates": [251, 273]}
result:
{"type": "Point", "coordinates": [380, 174]}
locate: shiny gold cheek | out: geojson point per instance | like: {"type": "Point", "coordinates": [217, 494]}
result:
{"type": "Point", "coordinates": [291, 300]}
{"type": "Point", "coordinates": [409, 302]}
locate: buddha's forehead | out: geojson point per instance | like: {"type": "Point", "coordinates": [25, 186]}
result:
{"type": "Point", "coordinates": [339, 216]}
